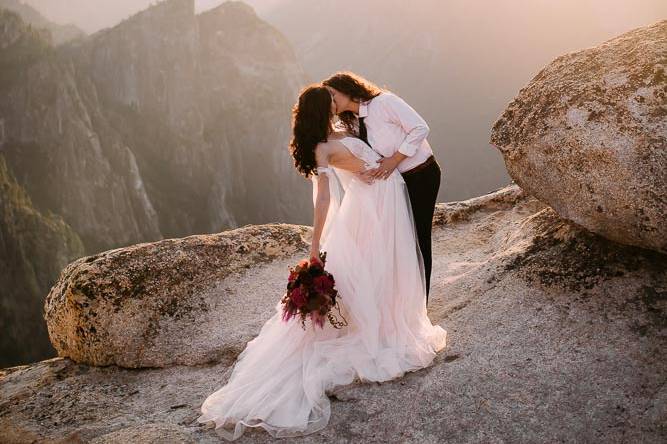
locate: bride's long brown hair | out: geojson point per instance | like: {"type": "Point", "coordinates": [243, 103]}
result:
{"type": "Point", "coordinates": [312, 122]}
{"type": "Point", "coordinates": [357, 88]}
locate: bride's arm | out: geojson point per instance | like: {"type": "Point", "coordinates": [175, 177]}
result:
{"type": "Point", "coordinates": [320, 213]}
{"type": "Point", "coordinates": [321, 207]}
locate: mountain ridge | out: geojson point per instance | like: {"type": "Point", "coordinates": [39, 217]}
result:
{"type": "Point", "coordinates": [59, 33]}
{"type": "Point", "coordinates": [151, 129]}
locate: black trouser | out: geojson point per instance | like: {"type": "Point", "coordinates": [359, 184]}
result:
{"type": "Point", "coordinates": [423, 186]}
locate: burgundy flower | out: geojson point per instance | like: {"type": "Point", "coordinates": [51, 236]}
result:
{"type": "Point", "coordinates": [323, 284]}
{"type": "Point", "coordinates": [311, 294]}
{"type": "Point", "coordinates": [298, 296]}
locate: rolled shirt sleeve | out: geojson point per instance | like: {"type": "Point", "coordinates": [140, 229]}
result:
{"type": "Point", "coordinates": [412, 123]}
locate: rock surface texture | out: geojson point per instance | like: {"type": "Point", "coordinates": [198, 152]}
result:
{"type": "Point", "coordinates": [555, 334]}
{"type": "Point", "coordinates": [588, 136]}
{"type": "Point", "coordinates": [165, 303]}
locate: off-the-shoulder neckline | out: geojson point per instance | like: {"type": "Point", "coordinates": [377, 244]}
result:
{"type": "Point", "coordinates": [347, 137]}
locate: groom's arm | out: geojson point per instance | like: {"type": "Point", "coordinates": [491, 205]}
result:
{"type": "Point", "coordinates": [415, 127]}
{"type": "Point", "coordinates": [397, 111]}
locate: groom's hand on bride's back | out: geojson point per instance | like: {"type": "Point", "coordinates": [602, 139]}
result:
{"type": "Point", "coordinates": [379, 173]}
{"type": "Point", "coordinates": [387, 166]}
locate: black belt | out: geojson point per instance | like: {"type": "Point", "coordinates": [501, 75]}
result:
{"type": "Point", "coordinates": [421, 166]}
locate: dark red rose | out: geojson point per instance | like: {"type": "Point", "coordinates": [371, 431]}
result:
{"type": "Point", "coordinates": [323, 284]}
{"type": "Point", "coordinates": [298, 297]}
{"type": "Point", "coordinates": [311, 293]}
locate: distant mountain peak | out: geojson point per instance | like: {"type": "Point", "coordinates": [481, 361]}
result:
{"type": "Point", "coordinates": [235, 5]}
{"type": "Point", "coordinates": [234, 11]}
{"type": "Point", "coordinates": [59, 33]}
{"type": "Point", "coordinates": [173, 8]}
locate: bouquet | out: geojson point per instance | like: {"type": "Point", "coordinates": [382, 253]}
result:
{"type": "Point", "coordinates": [311, 293]}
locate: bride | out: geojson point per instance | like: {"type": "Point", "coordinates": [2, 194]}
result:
{"type": "Point", "coordinates": [280, 380]}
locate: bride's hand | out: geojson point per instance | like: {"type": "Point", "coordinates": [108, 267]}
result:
{"type": "Point", "coordinates": [365, 176]}
{"type": "Point", "coordinates": [314, 252]}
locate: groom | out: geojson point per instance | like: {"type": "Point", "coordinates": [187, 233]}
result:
{"type": "Point", "coordinates": [397, 132]}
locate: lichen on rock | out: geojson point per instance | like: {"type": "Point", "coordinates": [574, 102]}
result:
{"type": "Point", "coordinates": [131, 306]}
{"type": "Point", "coordinates": [588, 136]}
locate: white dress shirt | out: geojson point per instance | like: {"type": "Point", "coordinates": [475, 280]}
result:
{"type": "Point", "coordinates": [392, 126]}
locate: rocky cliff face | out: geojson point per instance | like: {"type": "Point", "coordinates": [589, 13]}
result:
{"type": "Point", "coordinates": [34, 247]}
{"type": "Point", "coordinates": [250, 79]}
{"type": "Point", "coordinates": [166, 125]}
{"type": "Point", "coordinates": [57, 150]}
{"type": "Point", "coordinates": [153, 129]}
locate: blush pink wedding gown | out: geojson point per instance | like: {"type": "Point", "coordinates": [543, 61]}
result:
{"type": "Point", "coordinates": [279, 380]}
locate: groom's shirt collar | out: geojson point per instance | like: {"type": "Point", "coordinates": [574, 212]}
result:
{"type": "Point", "coordinates": [363, 109]}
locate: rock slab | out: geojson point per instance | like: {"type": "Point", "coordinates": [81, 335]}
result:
{"type": "Point", "coordinates": [165, 303]}
{"type": "Point", "coordinates": [555, 335]}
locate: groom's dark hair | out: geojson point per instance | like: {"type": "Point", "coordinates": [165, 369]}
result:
{"type": "Point", "coordinates": [355, 86]}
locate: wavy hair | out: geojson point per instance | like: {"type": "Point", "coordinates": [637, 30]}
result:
{"type": "Point", "coordinates": [312, 123]}
{"type": "Point", "coordinates": [357, 88]}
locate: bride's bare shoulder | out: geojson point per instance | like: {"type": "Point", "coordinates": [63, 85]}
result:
{"type": "Point", "coordinates": [322, 148]}
{"type": "Point", "coordinates": [323, 152]}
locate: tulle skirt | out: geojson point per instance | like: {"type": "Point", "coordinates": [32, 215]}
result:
{"type": "Point", "coordinates": [280, 379]}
